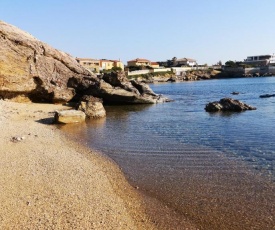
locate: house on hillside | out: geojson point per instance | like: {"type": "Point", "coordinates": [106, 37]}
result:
{"type": "Point", "coordinates": [260, 60]}
{"type": "Point", "coordinates": [155, 65]}
{"type": "Point", "coordinates": [95, 65]}
{"type": "Point", "coordinates": [109, 64]}
{"type": "Point", "coordinates": [139, 62]}
{"type": "Point", "coordinates": [106, 64]}
{"type": "Point", "coordinates": [185, 62]}
{"type": "Point", "coordinates": [118, 63]}
{"type": "Point", "coordinates": [89, 63]}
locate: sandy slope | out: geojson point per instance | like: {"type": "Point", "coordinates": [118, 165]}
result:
{"type": "Point", "coordinates": [49, 182]}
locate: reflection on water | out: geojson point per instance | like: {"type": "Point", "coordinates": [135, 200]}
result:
{"type": "Point", "coordinates": [74, 129]}
{"type": "Point", "coordinates": [97, 123]}
{"type": "Point", "coordinates": [225, 114]}
{"type": "Point", "coordinates": [217, 169]}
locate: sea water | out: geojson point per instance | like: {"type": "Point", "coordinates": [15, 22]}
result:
{"type": "Point", "coordinates": [217, 169]}
{"type": "Point", "coordinates": [247, 136]}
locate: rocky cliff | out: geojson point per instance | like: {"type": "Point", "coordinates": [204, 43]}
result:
{"type": "Point", "coordinates": [31, 70]}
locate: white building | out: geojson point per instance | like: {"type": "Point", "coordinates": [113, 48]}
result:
{"type": "Point", "coordinates": [185, 62]}
{"type": "Point", "coordinates": [260, 60]}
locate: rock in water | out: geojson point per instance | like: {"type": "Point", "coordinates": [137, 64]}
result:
{"type": "Point", "coordinates": [69, 116]}
{"type": "Point", "coordinates": [227, 104]}
{"type": "Point", "coordinates": [143, 88]}
{"type": "Point", "coordinates": [92, 107]}
{"type": "Point", "coordinates": [235, 93]}
{"type": "Point", "coordinates": [32, 70]}
{"type": "Point", "coordinates": [267, 95]}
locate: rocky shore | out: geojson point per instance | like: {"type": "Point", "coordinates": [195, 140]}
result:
{"type": "Point", "coordinates": [31, 70]}
{"type": "Point", "coordinates": [192, 75]}
{"type": "Point", "coordinates": [197, 75]}
{"type": "Point", "coordinates": [49, 182]}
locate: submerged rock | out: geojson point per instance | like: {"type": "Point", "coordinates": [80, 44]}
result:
{"type": "Point", "coordinates": [227, 104]}
{"type": "Point", "coordinates": [267, 95]}
{"type": "Point", "coordinates": [69, 116]}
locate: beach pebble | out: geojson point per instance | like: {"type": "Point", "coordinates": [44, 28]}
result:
{"type": "Point", "coordinates": [17, 139]}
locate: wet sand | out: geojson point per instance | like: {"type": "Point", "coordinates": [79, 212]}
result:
{"type": "Point", "coordinates": [205, 188]}
{"type": "Point", "coordinates": [49, 182]}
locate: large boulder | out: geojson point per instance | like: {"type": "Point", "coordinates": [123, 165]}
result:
{"type": "Point", "coordinates": [143, 88]}
{"type": "Point", "coordinates": [115, 88]}
{"type": "Point", "coordinates": [227, 104]}
{"type": "Point", "coordinates": [32, 70]}
{"type": "Point", "coordinates": [120, 80]}
{"type": "Point", "coordinates": [69, 116]}
{"type": "Point", "coordinates": [129, 93]}
{"type": "Point", "coordinates": [92, 107]}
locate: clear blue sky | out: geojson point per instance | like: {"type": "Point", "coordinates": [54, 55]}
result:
{"type": "Point", "coordinates": [206, 30]}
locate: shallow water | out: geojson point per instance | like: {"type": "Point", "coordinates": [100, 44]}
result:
{"type": "Point", "coordinates": [216, 169]}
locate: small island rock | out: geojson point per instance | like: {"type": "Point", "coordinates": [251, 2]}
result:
{"type": "Point", "coordinates": [227, 104]}
{"type": "Point", "coordinates": [235, 93]}
{"type": "Point", "coordinates": [267, 95]}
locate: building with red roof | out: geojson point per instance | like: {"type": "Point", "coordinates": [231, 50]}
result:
{"type": "Point", "coordinates": [139, 62]}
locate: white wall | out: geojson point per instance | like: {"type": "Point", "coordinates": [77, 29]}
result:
{"type": "Point", "coordinates": [137, 72]}
{"type": "Point", "coordinates": [162, 70]}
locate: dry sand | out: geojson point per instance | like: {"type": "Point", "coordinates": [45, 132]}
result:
{"type": "Point", "coordinates": [49, 182]}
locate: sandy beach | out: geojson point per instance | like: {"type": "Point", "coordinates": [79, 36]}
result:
{"type": "Point", "coordinates": [50, 182]}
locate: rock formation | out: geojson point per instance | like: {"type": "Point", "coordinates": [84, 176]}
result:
{"type": "Point", "coordinates": [32, 70]}
{"type": "Point", "coordinates": [69, 116]}
{"type": "Point", "coordinates": [115, 88]}
{"type": "Point", "coordinates": [195, 75]}
{"type": "Point", "coordinates": [227, 104]}
{"type": "Point", "coordinates": [267, 95]}
{"type": "Point", "coordinates": [235, 93]}
{"type": "Point", "coordinates": [92, 107]}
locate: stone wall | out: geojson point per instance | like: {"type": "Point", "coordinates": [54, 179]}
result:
{"type": "Point", "coordinates": [146, 71]}
{"type": "Point", "coordinates": [263, 70]}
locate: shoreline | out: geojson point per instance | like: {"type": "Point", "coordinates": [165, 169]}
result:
{"type": "Point", "coordinates": [211, 188]}
{"type": "Point", "coordinates": [200, 77]}
{"type": "Point", "coordinates": [49, 181]}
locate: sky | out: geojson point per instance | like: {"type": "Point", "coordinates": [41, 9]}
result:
{"type": "Point", "coordinates": [206, 30]}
